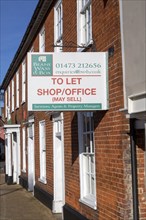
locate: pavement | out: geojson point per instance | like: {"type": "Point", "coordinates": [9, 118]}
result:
{"type": "Point", "coordinates": [2, 165]}
{"type": "Point", "coordinates": [16, 203]}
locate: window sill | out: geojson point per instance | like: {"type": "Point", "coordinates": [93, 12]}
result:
{"type": "Point", "coordinates": [42, 180]}
{"type": "Point", "coordinates": [85, 46]}
{"type": "Point", "coordinates": [89, 201]}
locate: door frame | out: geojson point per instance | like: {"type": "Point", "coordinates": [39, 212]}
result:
{"type": "Point", "coordinates": [59, 178]}
{"type": "Point", "coordinates": [31, 156]}
{"type": "Point", "coordinates": [13, 151]}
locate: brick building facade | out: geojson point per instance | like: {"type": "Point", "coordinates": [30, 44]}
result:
{"type": "Point", "coordinates": [77, 163]}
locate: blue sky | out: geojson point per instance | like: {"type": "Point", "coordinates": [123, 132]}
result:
{"type": "Point", "coordinates": [15, 16]}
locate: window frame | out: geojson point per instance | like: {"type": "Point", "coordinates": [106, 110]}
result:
{"type": "Point", "coordinates": [12, 95]}
{"type": "Point", "coordinates": [17, 89]}
{"type": "Point", "coordinates": [87, 169]}
{"type": "Point", "coordinates": [31, 49]}
{"type": "Point", "coordinates": [84, 23]}
{"type": "Point", "coordinates": [23, 81]}
{"type": "Point", "coordinates": [9, 102]}
{"type": "Point", "coordinates": [42, 40]}
{"type": "Point", "coordinates": [58, 26]}
{"type": "Point", "coordinates": [6, 104]}
{"type": "Point", "coordinates": [24, 149]}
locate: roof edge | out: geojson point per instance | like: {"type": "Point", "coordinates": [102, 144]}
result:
{"type": "Point", "coordinates": [30, 33]}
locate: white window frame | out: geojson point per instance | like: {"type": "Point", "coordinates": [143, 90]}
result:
{"type": "Point", "coordinates": [9, 98]}
{"type": "Point", "coordinates": [42, 144]}
{"type": "Point", "coordinates": [32, 49]}
{"type": "Point", "coordinates": [24, 81]}
{"type": "Point", "coordinates": [24, 149]}
{"type": "Point", "coordinates": [6, 104]}
{"type": "Point", "coordinates": [42, 40]}
{"type": "Point", "coordinates": [12, 95]}
{"type": "Point", "coordinates": [17, 89]}
{"type": "Point", "coordinates": [84, 23]}
{"type": "Point", "coordinates": [87, 159]}
{"type": "Point", "coordinates": [58, 26]}
{"type": "Point", "coordinates": [8, 107]}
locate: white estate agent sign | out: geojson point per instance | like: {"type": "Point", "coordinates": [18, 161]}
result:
{"type": "Point", "coordinates": [67, 81]}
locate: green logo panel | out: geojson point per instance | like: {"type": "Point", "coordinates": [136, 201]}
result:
{"type": "Point", "coordinates": [42, 65]}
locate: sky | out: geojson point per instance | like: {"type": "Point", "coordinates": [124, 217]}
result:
{"type": "Point", "coordinates": [15, 16]}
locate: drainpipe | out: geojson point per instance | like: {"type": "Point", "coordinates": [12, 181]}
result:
{"type": "Point", "coordinates": [134, 170]}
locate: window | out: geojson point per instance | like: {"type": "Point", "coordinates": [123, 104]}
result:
{"type": "Point", "coordinates": [58, 28]}
{"type": "Point", "coordinates": [24, 149]}
{"type": "Point", "coordinates": [9, 97]}
{"type": "Point", "coordinates": [84, 22]}
{"type": "Point", "coordinates": [87, 159]}
{"type": "Point", "coordinates": [8, 107]}
{"type": "Point", "coordinates": [23, 81]}
{"type": "Point", "coordinates": [32, 49]}
{"type": "Point", "coordinates": [42, 40]}
{"type": "Point", "coordinates": [12, 93]}
{"type": "Point", "coordinates": [17, 90]}
{"type": "Point", "coordinates": [6, 104]}
{"type": "Point", "coordinates": [42, 132]}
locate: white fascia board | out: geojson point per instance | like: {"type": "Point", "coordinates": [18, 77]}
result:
{"type": "Point", "coordinates": [137, 103]}
{"type": "Point", "coordinates": [12, 126]}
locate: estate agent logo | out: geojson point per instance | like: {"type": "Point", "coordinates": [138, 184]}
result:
{"type": "Point", "coordinates": [42, 65]}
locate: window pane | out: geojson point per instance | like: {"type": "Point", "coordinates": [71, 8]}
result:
{"type": "Point", "coordinates": [88, 142]}
{"type": "Point", "coordinates": [88, 124]}
{"type": "Point", "coordinates": [59, 126]}
{"type": "Point", "coordinates": [59, 22]}
{"type": "Point", "coordinates": [92, 124]}
{"type": "Point", "coordinates": [84, 2]}
{"type": "Point", "coordinates": [84, 143]}
{"type": "Point", "coordinates": [84, 123]}
{"type": "Point", "coordinates": [85, 162]}
{"type": "Point", "coordinates": [92, 164]}
{"type": "Point", "coordinates": [42, 40]}
{"type": "Point", "coordinates": [87, 182]}
{"type": "Point", "coordinates": [92, 185]}
{"type": "Point", "coordinates": [92, 143]}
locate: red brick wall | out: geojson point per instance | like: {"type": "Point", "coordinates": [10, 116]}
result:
{"type": "Point", "coordinates": [112, 151]}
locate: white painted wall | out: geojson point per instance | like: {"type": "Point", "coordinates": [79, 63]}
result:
{"type": "Point", "coordinates": [133, 36]}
